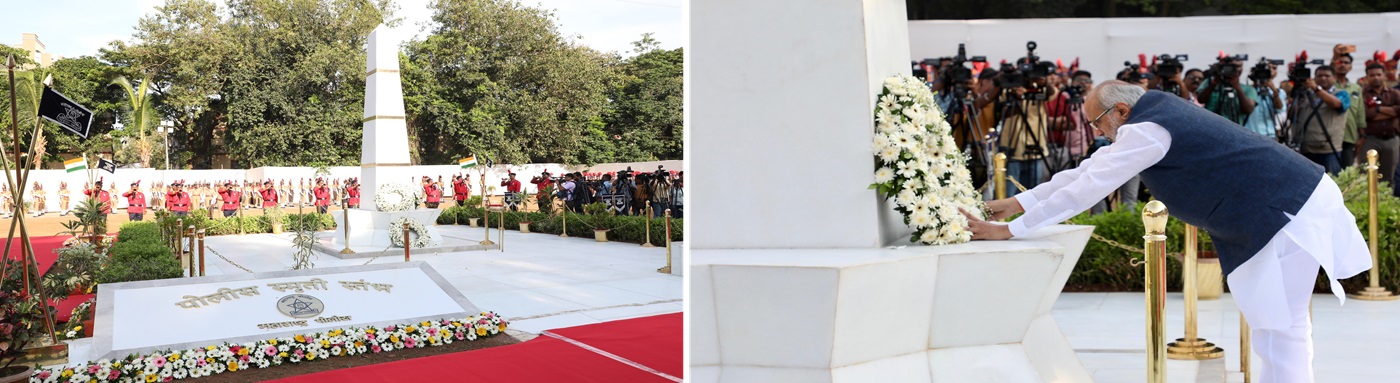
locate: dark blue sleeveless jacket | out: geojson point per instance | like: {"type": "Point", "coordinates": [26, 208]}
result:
{"type": "Point", "coordinates": [1231, 182]}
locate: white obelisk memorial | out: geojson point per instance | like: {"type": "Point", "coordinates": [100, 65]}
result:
{"type": "Point", "coordinates": [384, 152]}
{"type": "Point", "coordinates": [798, 286]}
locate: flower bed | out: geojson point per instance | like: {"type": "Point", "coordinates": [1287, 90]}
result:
{"type": "Point", "coordinates": [172, 365]}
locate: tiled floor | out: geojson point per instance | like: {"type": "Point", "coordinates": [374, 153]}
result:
{"type": "Point", "coordinates": [1355, 343]}
{"type": "Point", "coordinates": [540, 281]}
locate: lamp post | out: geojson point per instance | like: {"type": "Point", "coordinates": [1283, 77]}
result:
{"type": "Point", "coordinates": [117, 126]}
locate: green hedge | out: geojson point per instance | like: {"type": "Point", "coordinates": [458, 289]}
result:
{"type": "Point", "coordinates": [1106, 268]}
{"type": "Point", "coordinates": [140, 254]}
{"type": "Point", "coordinates": [630, 229]}
{"type": "Point", "coordinates": [250, 223]}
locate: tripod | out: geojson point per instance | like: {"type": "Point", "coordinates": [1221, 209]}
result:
{"type": "Point", "coordinates": [1229, 103]}
{"type": "Point", "coordinates": [965, 120]}
{"type": "Point", "coordinates": [1270, 110]}
{"type": "Point", "coordinates": [1017, 106]}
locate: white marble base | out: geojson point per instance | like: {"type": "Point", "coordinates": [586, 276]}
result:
{"type": "Point", "coordinates": [961, 313]}
{"type": "Point", "coordinates": [371, 228]}
{"type": "Point", "coordinates": [677, 258]}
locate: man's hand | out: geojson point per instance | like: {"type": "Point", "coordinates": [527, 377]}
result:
{"type": "Point", "coordinates": [1003, 208]}
{"type": "Point", "coordinates": [983, 230]}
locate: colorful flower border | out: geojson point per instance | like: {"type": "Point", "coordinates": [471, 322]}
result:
{"type": "Point", "coordinates": [919, 164]}
{"type": "Point", "coordinates": [168, 365]}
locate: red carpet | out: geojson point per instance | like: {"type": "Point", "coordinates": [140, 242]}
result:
{"type": "Point", "coordinates": [66, 306]}
{"type": "Point", "coordinates": [43, 250]}
{"type": "Point", "coordinates": [654, 342]}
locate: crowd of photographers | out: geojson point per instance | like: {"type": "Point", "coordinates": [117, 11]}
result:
{"type": "Point", "coordinates": [625, 192]}
{"type": "Point", "coordinates": [1032, 110]}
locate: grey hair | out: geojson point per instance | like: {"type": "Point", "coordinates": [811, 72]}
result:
{"type": "Point", "coordinates": [1112, 92]}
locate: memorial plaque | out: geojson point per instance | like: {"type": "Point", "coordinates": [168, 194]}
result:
{"type": "Point", "coordinates": [182, 313]}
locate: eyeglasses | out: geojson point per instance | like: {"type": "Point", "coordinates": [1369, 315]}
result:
{"type": "Point", "coordinates": [1096, 119]}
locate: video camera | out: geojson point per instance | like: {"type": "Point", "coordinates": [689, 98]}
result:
{"type": "Point", "coordinates": [1134, 73]}
{"type": "Point", "coordinates": [1224, 69]}
{"type": "Point", "coordinates": [1300, 72]}
{"type": "Point", "coordinates": [1169, 65]}
{"type": "Point", "coordinates": [1263, 70]}
{"type": "Point", "coordinates": [1027, 68]}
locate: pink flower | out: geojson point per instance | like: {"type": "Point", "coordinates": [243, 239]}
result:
{"type": "Point", "coordinates": [159, 362]}
{"type": "Point", "coordinates": [432, 331]}
{"type": "Point", "coordinates": [270, 351]}
{"type": "Point", "coordinates": [114, 375]}
{"type": "Point", "coordinates": [169, 379]}
{"type": "Point", "coordinates": [45, 374]}
{"type": "Point", "coordinates": [234, 349]}
{"type": "Point", "coordinates": [460, 336]}
{"type": "Point", "coordinates": [390, 328]}
{"type": "Point", "coordinates": [369, 337]}
{"type": "Point", "coordinates": [298, 352]}
{"type": "Point", "coordinates": [244, 359]}
{"type": "Point", "coordinates": [93, 368]}
{"type": "Point", "coordinates": [410, 342]}
{"type": "Point", "coordinates": [200, 363]}
{"type": "Point", "coordinates": [375, 348]}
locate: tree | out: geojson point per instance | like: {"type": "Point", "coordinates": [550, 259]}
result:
{"type": "Point", "coordinates": [141, 115]}
{"type": "Point", "coordinates": [495, 77]}
{"type": "Point", "coordinates": [645, 117]}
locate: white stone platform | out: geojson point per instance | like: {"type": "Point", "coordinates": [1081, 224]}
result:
{"type": "Point", "coordinates": [447, 243]}
{"type": "Point", "coordinates": [977, 312]}
{"type": "Point", "coordinates": [539, 282]}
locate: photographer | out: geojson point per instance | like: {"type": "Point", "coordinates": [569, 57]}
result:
{"type": "Point", "coordinates": [1319, 117]}
{"type": "Point", "coordinates": [1382, 125]}
{"type": "Point", "coordinates": [660, 192]}
{"type": "Point", "coordinates": [1166, 71]}
{"type": "Point", "coordinates": [1222, 93]}
{"type": "Point", "coordinates": [678, 196]}
{"type": "Point", "coordinates": [1193, 79]}
{"type": "Point", "coordinates": [1265, 118]}
{"type": "Point", "coordinates": [1072, 133]}
{"type": "Point", "coordinates": [1024, 130]}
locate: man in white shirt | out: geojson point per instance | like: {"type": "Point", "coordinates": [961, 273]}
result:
{"type": "Point", "coordinates": [1272, 229]}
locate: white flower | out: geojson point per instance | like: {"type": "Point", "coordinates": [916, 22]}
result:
{"type": "Point", "coordinates": [902, 140]}
{"type": "Point", "coordinates": [884, 175]}
{"type": "Point", "coordinates": [929, 236]}
{"type": "Point", "coordinates": [906, 197]}
{"type": "Point", "coordinates": [920, 219]}
{"type": "Point", "coordinates": [908, 169]}
{"type": "Point", "coordinates": [912, 184]}
{"type": "Point", "coordinates": [880, 142]}
{"type": "Point", "coordinates": [180, 374]}
{"type": "Point", "coordinates": [890, 154]}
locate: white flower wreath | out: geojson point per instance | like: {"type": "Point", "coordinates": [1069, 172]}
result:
{"type": "Point", "coordinates": [920, 166]}
{"type": "Point", "coordinates": [396, 234]}
{"type": "Point", "coordinates": [396, 197]}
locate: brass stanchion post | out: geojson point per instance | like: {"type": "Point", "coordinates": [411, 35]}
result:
{"type": "Point", "coordinates": [180, 242]}
{"type": "Point", "coordinates": [201, 252]}
{"type": "Point", "coordinates": [1375, 292]}
{"type": "Point", "coordinates": [1244, 348]}
{"type": "Point", "coordinates": [346, 214]}
{"type": "Point", "coordinates": [486, 212]}
{"type": "Point", "coordinates": [999, 175]}
{"type": "Point", "coordinates": [192, 249]}
{"type": "Point", "coordinates": [564, 216]}
{"type": "Point", "coordinates": [667, 269]}
{"type": "Point", "coordinates": [648, 212]}
{"type": "Point", "coordinates": [501, 230]}
{"type": "Point", "coordinates": [1191, 347]}
{"type": "Point", "coordinates": [1154, 219]}
{"type": "Point", "coordinates": [407, 243]}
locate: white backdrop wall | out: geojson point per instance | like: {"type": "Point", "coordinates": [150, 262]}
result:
{"type": "Point", "coordinates": [123, 178]}
{"type": "Point", "coordinates": [1103, 44]}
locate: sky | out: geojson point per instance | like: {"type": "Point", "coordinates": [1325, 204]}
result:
{"type": "Point", "coordinates": [73, 28]}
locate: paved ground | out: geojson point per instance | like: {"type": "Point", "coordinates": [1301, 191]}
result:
{"type": "Point", "coordinates": [1355, 343]}
{"type": "Point", "coordinates": [540, 281]}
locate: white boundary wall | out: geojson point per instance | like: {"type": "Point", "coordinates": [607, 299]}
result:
{"type": "Point", "coordinates": [50, 178]}
{"type": "Point", "coordinates": [1103, 44]}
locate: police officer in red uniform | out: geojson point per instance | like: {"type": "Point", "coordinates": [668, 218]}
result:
{"type": "Point", "coordinates": [323, 196]}
{"type": "Point", "coordinates": [177, 200]}
{"type": "Point", "coordinates": [432, 193]}
{"type": "Point", "coordinates": [229, 197]}
{"type": "Point", "coordinates": [541, 182]}
{"type": "Point", "coordinates": [461, 189]}
{"type": "Point", "coordinates": [102, 196]}
{"type": "Point", "coordinates": [136, 202]}
{"type": "Point", "coordinates": [354, 192]}
{"type": "Point", "coordinates": [269, 195]}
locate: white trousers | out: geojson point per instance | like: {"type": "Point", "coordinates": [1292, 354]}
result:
{"type": "Point", "coordinates": [1286, 354]}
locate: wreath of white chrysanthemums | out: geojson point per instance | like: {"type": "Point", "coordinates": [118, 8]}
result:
{"type": "Point", "coordinates": [396, 233]}
{"type": "Point", "coordinates": [919, 165]}
{"type": "Point", "coordinates": [396, 197]}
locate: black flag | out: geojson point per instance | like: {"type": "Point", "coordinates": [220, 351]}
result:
{"type": "Point", "coordinates": [104, 164]}
{"type": "Point", "coordinates": [63, 111]}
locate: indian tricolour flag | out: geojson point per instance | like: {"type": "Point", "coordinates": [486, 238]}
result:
{"type": "Point", "coordinates": [75, 164]}
{"type": "Point", "coordinates": [467, 162]}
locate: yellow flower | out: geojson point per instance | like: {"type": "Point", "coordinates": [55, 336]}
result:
{"type": "Point", "coordinates": [300, 338]}
{"type": "Point", "coordinates": [174, 357]}
{"type": "Point", "coordinates": [282, 354]}
{"type": "Point", "coordinates": [116, 365]}
{"type": "Point", "coordinates": [66, 373]}
{"type": "Point", "coordinates": [243, 351]}
{"type": "Point", "coordinates": [79, 328]}
{"type": "Point", "coordinates": [233, 366]}
{"type": "Point", "coordinates": [432, 340]}
{"type": "Point", "coordinates": [92, 381]}
{"type": "Point", "coordinates": [211, 348]}
{"type": "Point", "coordinates": [325, 343]}
{"type": "Point", "coordinates": [272, 342]}
{"type": "Point", "coordinates": [425, 324]}
{"type": "Point", "coordinates": [359, 344]}
{"type": "Point", "coordinates": [369, 331]}
{"type": "Point", "coordinates": [481, 331]}
{"type": "Point", "coordinates": [209, 360]}
{"type": "Point", "coordinates": [503, 327]}
{"type": "Point", "coordinates": [150, 378]}
{"type": "Point", "coordinates": [409, 330]}
{"type": "Point", "coordinates": [393, 339]}
{"type": "Point", "coordinates": [310, 355]}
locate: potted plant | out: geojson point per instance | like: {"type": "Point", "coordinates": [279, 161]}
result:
{"type": "Point", "coordinates": [88, 222]}
{"type": "Point", "coordinates": [470, 212]}
{"type": "Point", "coordinates": [274, 218]}
{"type": "Point", "coordinates": [15, 334]}
{"type": "Point", "coordinates": [1209, 281]}
{"type": "Point", "coordinates": [75, 270]}
{"type": "Point", "coordinates": [598, 212]}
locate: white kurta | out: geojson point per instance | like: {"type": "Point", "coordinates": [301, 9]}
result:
{"type": "Point", "coordinates": [1323, 228]}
